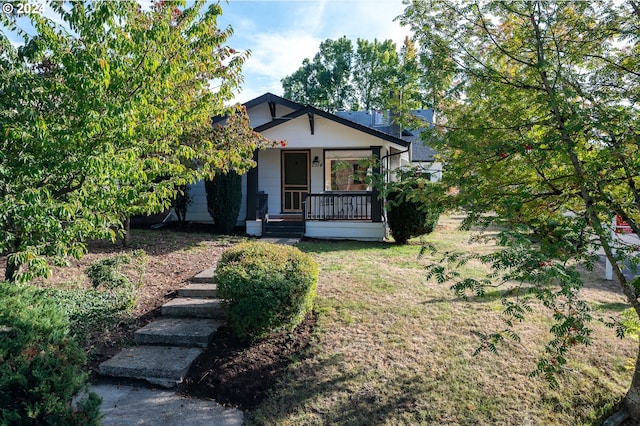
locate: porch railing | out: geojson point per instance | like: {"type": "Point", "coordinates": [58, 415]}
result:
{"type": "Point", "coordinates": [338, 206]}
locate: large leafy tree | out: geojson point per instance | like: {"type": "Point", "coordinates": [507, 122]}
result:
{"type": "Point", "coordinates": [105, 111]}
{"type": "Point", "coordinates": [539, 131]}
{"type": "Point", "coordinates": [340, 77]}
{"type": "Point", "coordinates": [324, 81]}
{"type": "Point", "coordinates": [375, 65]}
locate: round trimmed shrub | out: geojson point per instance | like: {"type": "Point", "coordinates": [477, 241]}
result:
{"type": "Point", "coordinates": [41, 365]}
{"type": "Point", "coordinates": [268, 287]}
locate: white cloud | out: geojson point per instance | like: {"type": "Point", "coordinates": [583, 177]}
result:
{"type": "Point", "coordinates": [278, 55]}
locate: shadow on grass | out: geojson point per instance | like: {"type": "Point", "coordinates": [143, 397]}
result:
{"type": "Point", "coordinates": [160, 242]}
{"type": "Point", "coordinates": [321, 395]}
{"type": "Point", "coordinates": [325, 246]}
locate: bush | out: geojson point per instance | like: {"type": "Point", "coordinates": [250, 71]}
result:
{"type": "Point", "coordinates": [224, 196]}
{"type": "Point", "coordinates": [412, 208]}
{"type": "Point", "coordinates": [106, 273]}
{"type": "Point", "coordinates": [40, 363]}
{"type": "Point", "coordinates": [268, 287]}
{"type": "Point", "coordinates": [92, 310]}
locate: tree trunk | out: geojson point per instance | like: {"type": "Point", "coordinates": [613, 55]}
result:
{"type": "Point", "coordinates": [632, 399]}
{"type": "Point", "coordinates": [127, 228]}
{"type": "Point", "coordinates": [11, 271]}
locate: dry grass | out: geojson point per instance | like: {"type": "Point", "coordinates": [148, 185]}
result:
{"type": "Point", "coordinates": [392, 348]}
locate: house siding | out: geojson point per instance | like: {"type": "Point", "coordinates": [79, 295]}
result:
{"type": "Point", "coordinates": [198, 212]}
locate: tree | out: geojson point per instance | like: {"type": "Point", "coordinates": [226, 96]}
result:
{"type": "Point", "coordinates": [224, 196]}
{"type": "Point", "coordinates": [325, 80]}
{"type": "Point", "coordinates": [105, 112]}
{"type": "Point", "coordinates": [375, 65]}
{"type": "Point", "coordinates": [224, 191]}
{"type": "Point", "coordinates": [539, 133]}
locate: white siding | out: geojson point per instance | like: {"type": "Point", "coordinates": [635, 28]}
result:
{"type": "Point", "coordinates": [328, 134]}
{"type": "Point", "coordinates": [269, 177]}
{"type": "Point", "coordinates": [197, 211]}
{"type": "Point", "coordinates": [260, 114]}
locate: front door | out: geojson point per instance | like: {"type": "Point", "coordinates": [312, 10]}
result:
{"type": "Point", "coordinates": [295, 180]}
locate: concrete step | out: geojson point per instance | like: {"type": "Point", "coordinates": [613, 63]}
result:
{"type": "Point", "coordinates": [190, 307]}
{"type": "Point", "coordinates": [206, 276]}
{"type": "Point", "coordinates": [187, 332]}
{"type": "Point", "coordinates": [160, 365]}
{"type": "Point", "coordinates": [199, 290]}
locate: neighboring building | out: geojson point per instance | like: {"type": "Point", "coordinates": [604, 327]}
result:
{"type": "Point", "coordinates": [422, 156]}
{"type": "Point", "coordinates": [315, 186]}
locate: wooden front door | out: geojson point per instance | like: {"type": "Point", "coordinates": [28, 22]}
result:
{"type": "Point", "coordinates": [295, 180]}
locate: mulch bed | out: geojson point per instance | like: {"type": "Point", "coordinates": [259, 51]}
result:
{"type": "Point", "coordinates": [239, 373]}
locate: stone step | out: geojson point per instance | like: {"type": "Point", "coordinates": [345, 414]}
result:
{"type": "Point", "coordinates": [190, 307]}
{"type": "Point", "coordinates": [160, 365]}
{"type": "Point", "coordinates": [187, 332]}
{"type": "Point", "coordinates": [206, 276]}
{"type": "Point", "coordinates": [199, 290]}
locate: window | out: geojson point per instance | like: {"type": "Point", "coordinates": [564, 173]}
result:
{"type": "Point", "coordinates": [347, 170]}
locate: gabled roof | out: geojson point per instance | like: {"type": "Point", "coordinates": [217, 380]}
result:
{"type": "Point", "coordinates": [315, 111]}
{"type": "Point", "coordinates": [267, 98]}
{"type": "Point", "coordinates": [270, 97]}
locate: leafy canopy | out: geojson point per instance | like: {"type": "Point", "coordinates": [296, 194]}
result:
{"type": "Point", "coordinates": [339, 77]}
{"type": "Point", "coordinates": [105, 111]}
{"type": "Point", "coordinates": [539, 132]}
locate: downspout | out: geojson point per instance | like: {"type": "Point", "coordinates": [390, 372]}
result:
{"type": "Point", "coordinates": [386, 157]}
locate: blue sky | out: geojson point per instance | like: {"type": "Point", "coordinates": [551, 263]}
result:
{"type": "Point", "coordinates": [281, 33]}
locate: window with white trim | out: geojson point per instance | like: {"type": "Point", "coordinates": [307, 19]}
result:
{"type": "Point", "coordinates": [347, 170]}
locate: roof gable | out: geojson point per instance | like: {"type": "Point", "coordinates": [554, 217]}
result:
{"type": "Point", "coordinates": [311, 111]}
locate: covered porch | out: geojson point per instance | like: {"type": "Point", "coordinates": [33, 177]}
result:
{"type": "Point", "coordinates": [316, 196]}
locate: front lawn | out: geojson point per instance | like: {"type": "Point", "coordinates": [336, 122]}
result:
{"type": "Point", "coordinates": [392, 348]}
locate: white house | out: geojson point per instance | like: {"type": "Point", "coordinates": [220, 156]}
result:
{"type": "Point", "coordinates": [314, 186]}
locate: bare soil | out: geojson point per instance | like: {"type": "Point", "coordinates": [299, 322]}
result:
{"type": "Point", "coordinates": [233, 372]}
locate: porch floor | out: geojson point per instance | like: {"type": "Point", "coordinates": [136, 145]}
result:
{"type": "Point", "coordinates": [293, 217]}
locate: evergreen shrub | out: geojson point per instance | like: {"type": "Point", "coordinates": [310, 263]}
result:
{"type": "Point", "coordinates": [268, 287]}
{"type": "Point", "coordinates": [413, 207]}
{"type": "Point", "coordinates": [224, 196]}
{"type": "Point", "coordinates": [41, 365]}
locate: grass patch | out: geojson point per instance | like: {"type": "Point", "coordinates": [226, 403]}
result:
{"type": "Point", "coordinates": [393, 348]}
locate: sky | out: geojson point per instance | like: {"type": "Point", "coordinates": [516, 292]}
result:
{"type": "Point", "coordinates": [281, 33]}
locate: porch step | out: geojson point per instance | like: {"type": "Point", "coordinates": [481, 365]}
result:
{"type": "Point", "coordinates": [189, 307]}
{"type": "Point", "coordinates": [283, 229]}
{"type": "Point", "coordinates": [198, 290]}
{"type": "Point", "coordinates": [164, 366]}
{"type": "Point", "coordinates": [186, 332]}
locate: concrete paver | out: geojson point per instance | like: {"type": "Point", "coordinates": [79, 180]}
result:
{"type": "Point", "coordinates": [128, 405]}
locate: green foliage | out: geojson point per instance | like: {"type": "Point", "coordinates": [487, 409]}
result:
{"type": "Point", "coordinates": [413, 207]}
{"type": "Point", "coordinates": [106, 273]}
{"type": "Point", "coordinates": [224, 196]}
{"type": "Point", "coordinates": [269, 287]}
{"type": "Point", "coordinates": [181, 202]}
{"type": "Point", "coordinates": [340, 77]}
{"type": "Point", "coordinates": [40, 363]}
{"type": "Point", "coordinates": [91, 311]}
{"type": "Point", "coordinates": [105, 112]}
{"type": "Point", "coordinates": [536, 116]}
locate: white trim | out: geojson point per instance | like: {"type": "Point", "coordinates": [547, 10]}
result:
{"type": "Point", "coordinates": [344, 230]}
{"type": "Point", "coordinates": [254, 228]}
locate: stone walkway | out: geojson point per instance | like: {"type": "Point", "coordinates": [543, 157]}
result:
{"type": "Point", "coordinates": [164, 351]}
